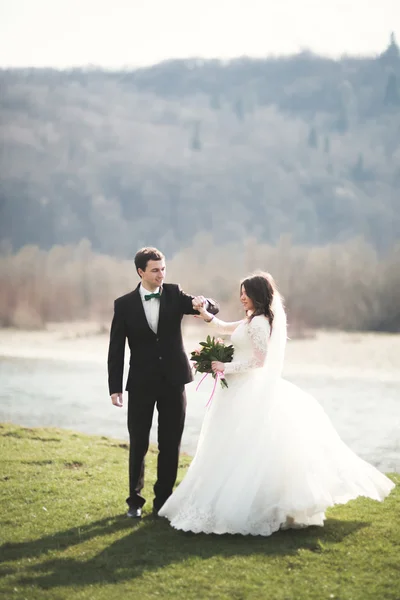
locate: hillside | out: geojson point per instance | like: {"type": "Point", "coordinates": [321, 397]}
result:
{"type": "Point", "coordinates": [305, 146]}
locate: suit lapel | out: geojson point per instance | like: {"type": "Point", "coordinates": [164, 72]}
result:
{"type": "Point", "coordinates": [163, 310]}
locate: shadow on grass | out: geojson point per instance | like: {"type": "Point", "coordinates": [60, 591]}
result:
{"type": "Point", "coordinates": [150, 545]}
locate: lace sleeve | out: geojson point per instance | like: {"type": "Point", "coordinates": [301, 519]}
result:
{"type": "Point", "coordinates": [258, 331]}
{"type": "Point", "coordinates": [222, 326]}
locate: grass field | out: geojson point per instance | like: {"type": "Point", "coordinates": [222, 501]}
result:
{"type": "Point", "coordinates": [64, 534]}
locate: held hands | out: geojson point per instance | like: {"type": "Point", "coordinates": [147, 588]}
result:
{"type": "Point", "coordinates": [199, 303]}
{"type": "Point", "coordinates": [117, 400]}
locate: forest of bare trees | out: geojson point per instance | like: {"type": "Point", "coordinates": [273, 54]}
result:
{"type": "Point", "coordinates": [341, 286]}
{"type": "Point", "coordinates": [285, 164]}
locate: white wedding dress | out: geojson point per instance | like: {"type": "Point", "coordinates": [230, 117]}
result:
{"type": "Point", "coordinates": [268, 456]}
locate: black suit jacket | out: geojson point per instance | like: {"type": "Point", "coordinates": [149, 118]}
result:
{"type": "Point", "coordinates": [153, 355]}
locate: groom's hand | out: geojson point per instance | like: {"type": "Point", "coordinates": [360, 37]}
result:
{"type": "Point", "coordinates": [198, 302]}
{"type": "Point", "coordinates": [208, 305]}
{"type": "Point", "coordinates": [117, 400]}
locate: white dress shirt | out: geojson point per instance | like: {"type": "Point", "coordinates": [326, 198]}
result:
{"type": "Point", "coordinates": [151, 307]}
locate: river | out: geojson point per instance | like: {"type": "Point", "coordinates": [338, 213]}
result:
{"type": "Point", "coordinates": [58, 379]}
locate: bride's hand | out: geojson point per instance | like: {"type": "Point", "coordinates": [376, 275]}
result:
{"type": "Point", "coordinates": [217, 366]}
{"type": "Point", "coordinates": [199, 303]}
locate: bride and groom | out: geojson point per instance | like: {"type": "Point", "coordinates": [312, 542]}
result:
{"type": "Point", "coordinates": [268, 457]}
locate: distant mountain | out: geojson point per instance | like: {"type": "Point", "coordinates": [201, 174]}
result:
{"type": "Point", "coordinates": [302, 145]}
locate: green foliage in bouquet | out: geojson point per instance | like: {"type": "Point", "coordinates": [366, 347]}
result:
{"type": "Point", "coordinates": [212, 349]}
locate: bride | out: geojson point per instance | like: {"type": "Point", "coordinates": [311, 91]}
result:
{"type": "Point", "coordinates": [268, 457]}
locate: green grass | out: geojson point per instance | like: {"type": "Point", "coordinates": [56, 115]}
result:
{"type": "Point", "coordinates": [64, 534]}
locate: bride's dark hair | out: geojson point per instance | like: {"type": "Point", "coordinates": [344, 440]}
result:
{"type": "Point", "coordinates": [260, 288]}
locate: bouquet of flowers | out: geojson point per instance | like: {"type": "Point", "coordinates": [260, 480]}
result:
{"type": "Point", "coordinates": [211, 349]}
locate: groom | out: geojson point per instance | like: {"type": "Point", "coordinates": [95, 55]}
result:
{"type": "Point", "coordinates": [150, 319]}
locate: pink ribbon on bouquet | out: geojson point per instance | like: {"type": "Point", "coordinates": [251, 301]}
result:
{"type": "Point", "coordinates": [218, 376]}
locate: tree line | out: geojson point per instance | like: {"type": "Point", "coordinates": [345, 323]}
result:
{"type": "Point", "coordinates": [344, 286]}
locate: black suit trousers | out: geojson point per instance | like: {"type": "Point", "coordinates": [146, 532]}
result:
{"type": "Point", "coordinates": [170, 401]}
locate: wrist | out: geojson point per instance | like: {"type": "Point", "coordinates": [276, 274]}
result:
{"type": "Point", "coordinates": [208, 318]}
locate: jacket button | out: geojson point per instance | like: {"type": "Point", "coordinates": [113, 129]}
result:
{"type": "Point", "coordinates": [160, 357]}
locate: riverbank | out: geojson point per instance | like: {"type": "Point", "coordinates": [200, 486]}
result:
{"type": "Point", "coordinates": [376, 355]}
{"type": "Point", "coordinates": [64, 534]}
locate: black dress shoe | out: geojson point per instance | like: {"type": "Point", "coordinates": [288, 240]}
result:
{"type": "Point", "coordinates": [134, 513]}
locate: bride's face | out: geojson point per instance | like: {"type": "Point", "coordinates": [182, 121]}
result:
{"type": "Point", "coordinates": [245, 300]}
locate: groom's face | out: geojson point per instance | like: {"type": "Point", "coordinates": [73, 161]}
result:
{"type": "Point", "coordinates": [154, 274]}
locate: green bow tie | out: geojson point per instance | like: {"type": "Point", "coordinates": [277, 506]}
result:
{"type": "Point", "coordinates": [150, 296]}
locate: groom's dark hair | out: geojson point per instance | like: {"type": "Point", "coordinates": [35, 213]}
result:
{"type": "Point", "coordinates": [143, 256]}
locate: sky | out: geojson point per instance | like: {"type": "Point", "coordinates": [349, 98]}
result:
{"type": "Point", "coordinates": [131, 33]}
